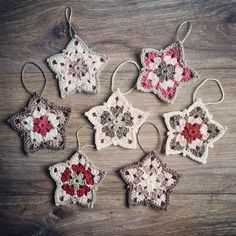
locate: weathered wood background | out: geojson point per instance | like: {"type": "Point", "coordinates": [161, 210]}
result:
{"type": "Point", "coordinates": [204, 202]}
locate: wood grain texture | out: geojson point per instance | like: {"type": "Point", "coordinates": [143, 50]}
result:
{"type": "Point", "coordinates": [204, 202]}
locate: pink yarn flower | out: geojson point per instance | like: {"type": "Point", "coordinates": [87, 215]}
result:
{"type": "Point", "coordinates": [149, 58]}
{"type": "Point", "coordinates": [186, 74]}
{"type": "Point", "coordinates": [169, 93]}
{"type": "Point", "coordinates": [173, 53]}
{"type": "Point", "coordinates": [146, 83]}
{"type": "Point", "coordinates": [42, 125]}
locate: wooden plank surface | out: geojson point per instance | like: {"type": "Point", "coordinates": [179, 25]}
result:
{"type": "Point", "coordinates": [204, 202]}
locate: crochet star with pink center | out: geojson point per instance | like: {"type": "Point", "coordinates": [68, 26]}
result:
{"type": "Point", "coordinates": [149, 182]}
{"type": "Point", "coordinates": [77, 68]}
{"type": "Point", "coordinates": [192, 132]}
{"type": "Point", "coordinates": [41, 125]}
{"type": "Point", "coordinates": [116, 122]}
{"type": "Point", "coordinates": [77, 180]}
{"type": "Point", "coordinates": [164, 72]}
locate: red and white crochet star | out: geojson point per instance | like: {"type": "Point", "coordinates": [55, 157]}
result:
{"type": "Point", "coordinates": [192, 132]}
{"type": "Point", "coordinates": [164, 72]}
{"type": "Point", "coordinates": [149, 182]}
{"type": "Point", "coordinates": [41, 125]}
{"type": "Point", "coordinates": [77, 181]}
{"type": "Point", "coordinates": [116, 122]}
{"type": "Point", "coordinates": [77, 68]}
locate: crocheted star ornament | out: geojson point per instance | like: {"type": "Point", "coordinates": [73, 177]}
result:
{"type": "Point", "coordinates": [116, 122]}
{"type": "Point", "coordinates": [164, 72]}
{"type": "Point", "coordinates": [77, 68]}
{"type": "Point", "coordinates": [192, 132]}
{"type": "Point", "coordinates": [41, 125]}
{"type": "Point", "coordinates": [149, 182]}
{"type": "Point", "coordinates": [76, 180]}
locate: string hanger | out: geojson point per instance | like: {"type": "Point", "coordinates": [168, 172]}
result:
{"type": "Point", "coordinates": [79, 148]}
{"type": "Point", "coordinates": [68, 15]}
{"type": "Point", "coordinates": [23, 82]}
{"type": "Point", "coordinates": [114, 73]}
{"type": "Point", "coordinates": [159, 143]}
{"type": "Point", "coordinates": [220, 87]}
{"type": "Point", "coordinates": [187, 32]}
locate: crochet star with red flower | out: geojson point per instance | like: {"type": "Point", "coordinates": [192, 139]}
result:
{"type": "Point", "coordinates": [192, 132]}
{"type": "Point", "coordinates": [41, 125]}
{"type": "Point", "coordinates": [164, 72]}
{"type": "Point", "coordinates": [76, 180]}
{"type": "Point", "coordinates": [149, 182]}
{"type": "Point", "coordinates": [77, 68]}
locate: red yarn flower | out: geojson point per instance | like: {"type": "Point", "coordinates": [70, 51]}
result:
{"type": "Point", "coordinates": [78, 168]}
{"type": "Point", "coordinates": [87, 173]}
{"type": "Point", "coordinates": [191, 132]}
{"type": "Point", "coordinates": [66, 175]}
{"type": "Point", "coordinates": [83, 190]}
{"type": "Point", "coordinates": [69, 189]}
{"type": "Point", "coordinates": [89, 177]}
{"type": "Point", "coordinates": [42, 125]}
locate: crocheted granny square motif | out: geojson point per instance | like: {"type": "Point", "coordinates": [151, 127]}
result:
{"type": "Point", "coordinates": [116, 122]}
{"type": "Point", "coordinates": [76, 180]}
{"type": "Point", "coordinates": [164, 72]}
{"type": "Point", "coordinates": [192, 132]}
{"type": "Point", "coordinates": [149, 182]}
{"type": "Point", "coordinates": [41, 125]}
{"type": "Point", "coordinates": [77, 68]}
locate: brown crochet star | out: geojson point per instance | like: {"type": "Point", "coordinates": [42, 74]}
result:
{"type": "Point", "coordinates": [149, 182]}
{"type": "Point", "coordinates": [41, 125]}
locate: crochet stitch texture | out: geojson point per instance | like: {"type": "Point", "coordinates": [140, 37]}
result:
{"type": "Point", "coordinates": [77, 68]}
{"type": "Point", "coordinates": [41, 125]}
{"type": "Point", "coordinates": [164, 72]}
{"type": "Point", "coordinates": [149, 182]}
{"type": "Point", "coordinates": [116, 122]}
{"type": "Point", "coordinates": [192, 132]}
{"type": "Point", "coordinates": [77, 180]}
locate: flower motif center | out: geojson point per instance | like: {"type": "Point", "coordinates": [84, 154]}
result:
{"type": "Point", "coordinates": [78, 68]}
{"type": "Point", "coordinates": [191, 132]}
{"type": "Point", "coordinates": [165, 71]}
{"type": "Point", "coordinates": [78, 178]}
{"type": "Point", "coordinates": [151, 180]}
{"type": "Point", "coordinates": [42, 125]}
{"type": "Point", "coordinates": [115, 122]}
